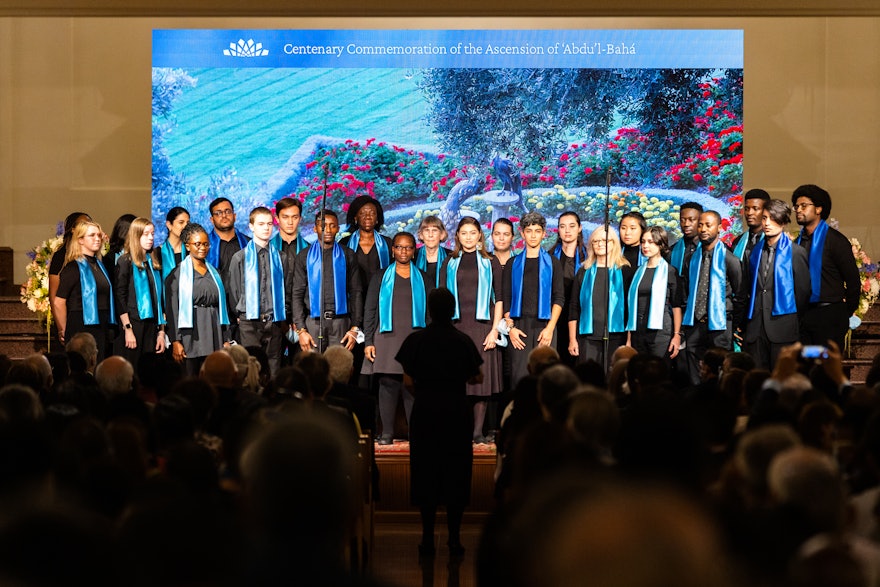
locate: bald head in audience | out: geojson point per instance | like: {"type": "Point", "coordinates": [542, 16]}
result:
{"type": "Point", "coordinates": [114, 376]}
{"type": "Point", "coordinates": [219, 370]}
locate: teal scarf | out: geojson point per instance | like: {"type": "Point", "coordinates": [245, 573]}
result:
{"type": "Point", "coordinates": [299, 243]}
{"type": "Point", "coordinates": [381, 247]}
{"type": "Point", "coordinates": [616, 300]}
{"type": "Point", "coordinates": [545, 285]}
{"type": "Point", "coordinates": [169, 259]}
{"type": "Point", "coordinates": [717, 288]}
{"type": "Point", "coordinates": [485, 293]}
{"type": "Point", "coordinates": [657, 307]}
{"type": "Point", "coordinates": [740, 249]}
{"type": "Point", "coordinates": [252, 283]}
{"type": "Point", "coordinates": [676, 257]}
{"type": "Point", "coordinates": [817, 246]}
{"type": "Point", "coordinates": [185, 294]}
{"type": "Point", "coordinates": [149, 300]}
{"type": "Point", "coordinates": [316, 274]}
{"type": "Point", "coordinates": [783, 278]}
{"type": "Point", "coordinates": [89, 290]}
{"type": "Point", "coordinates": [386, 298]}
{"type": "Point", "coordinates": [422, 261]}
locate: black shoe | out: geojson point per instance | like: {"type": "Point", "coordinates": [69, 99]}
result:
{"type": "Point", "coordinates": [480, 440]}
{"type": "Point", "coordinates": [426, 550]}
{"type": "Point", "coordinates": [490, 438]}
{"type": "Point", "coordinates": [456, 549]}
{"type": "Point", "coordinates": [385, 440]}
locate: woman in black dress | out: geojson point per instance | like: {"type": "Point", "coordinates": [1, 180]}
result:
{"type": "Point", "coordinates": [595, 304]}
{"type": "Point", "coordinates": [474, 278]}
{"type": "Point", "coordinates": [632, 226]}
{"type": "Point", "coordinates": [84, 300]}
{"type": "Point", "coordinates": [655, 300]}
{"type": "Point", "coordinates": [438, 363]}
{"type": "Point", "coordinates": [195, 304]}
{"type": "Point", "coordinates": [139, 295]}
{"type": "Point", "coordinates": [171, 253]}
{"type": "Point", "coordinates": [58, 257]}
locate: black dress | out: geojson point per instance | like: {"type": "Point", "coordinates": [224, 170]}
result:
{"type": "Point", "coordinates": [440, 360]}
{"type": "Point", "coordinates": [145, 329]}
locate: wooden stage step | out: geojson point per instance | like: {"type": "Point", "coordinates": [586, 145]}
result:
{"type": "Point", "coordinates": [394, 505]}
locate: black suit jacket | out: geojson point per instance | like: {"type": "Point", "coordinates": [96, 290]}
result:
{"type": "Point", "coordinates": [777, 329]}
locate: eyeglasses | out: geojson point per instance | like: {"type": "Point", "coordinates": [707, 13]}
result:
{"type": "Point", "coordinates": [803, 206]}
{"type": "Point", "coordinates": [218, 213]}
{"type": "Point", "coordinates": [200, 244]}
{"type": "Point", "coordinates": [402, 247]}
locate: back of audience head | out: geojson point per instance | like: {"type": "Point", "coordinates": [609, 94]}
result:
{"type": "Point", "coordinates": [711, 364]}
{"type": "Point", "coordinates": [84, 344]}
{"type": "Point", "coordinates": [317, 371]}
{"type": "Point", "coordinates": [540, 358]}
{"type": "Point", "coordinates": [756, 450]}
{"type": "Point", "coordinates": [593, 421]}
{"type": "Point", "coordinates": [646, 375]}
{"type": "Point", "coordinates": [441, 305]}
{"type": "Point", "coordinates": [575, 530]}
{"type": "Point", "coordinates": [115, 376]}
{"type": "Point", "coordinates": [247, 367]}
{"type": "Point", "coordinates": [219, 370]}
{"type": "Point", "coordinates": [622, 353]}
{"type": "Point", "coordinates": [555, 385]}
{"type": "Point", "coordinates": [590, 372]}
{"type": "Point", "coordinates": [19, 404]}
{"type": "Point", "coordinates": [341, 361]}
{"type": "Point", "coordinates": [738, 360]}
{"type": "Point", "coordinates": [290, 383]}
{"type": "Point", "coordinates": [809, 481]}
{"type": "Point", "coordinates": [306, 520]}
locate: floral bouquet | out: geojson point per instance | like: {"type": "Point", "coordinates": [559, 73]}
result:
{"type": "Point", "coordinates": [869, 275]}
{"type": "Point", "coordinates": [35, 290]}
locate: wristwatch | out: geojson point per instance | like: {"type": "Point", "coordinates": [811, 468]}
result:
{"type": "Point", "coordinates": [127, 326]}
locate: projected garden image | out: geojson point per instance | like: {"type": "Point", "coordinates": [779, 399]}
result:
{"type": "Point", "coordinates": [451, 142]}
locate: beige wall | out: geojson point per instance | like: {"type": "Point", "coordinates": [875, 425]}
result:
{"type": "Point", "coordinates": [75, 110]}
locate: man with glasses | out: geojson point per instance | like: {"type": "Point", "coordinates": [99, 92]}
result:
{"type": "Point", "coordinates": [327, 305]}
{"type": "Point", "coordinates": [834, 276]}
{"type": "Point", "coordinates": [225, 240]}
{"type": "Point", "coordinates": [395, 308]}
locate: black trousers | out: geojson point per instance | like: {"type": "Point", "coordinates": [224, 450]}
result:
{"type": "Point", "coordinates": [267, 335]}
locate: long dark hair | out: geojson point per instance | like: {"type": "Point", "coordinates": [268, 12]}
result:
{"type": "Point", "coordinates": [580, 242]}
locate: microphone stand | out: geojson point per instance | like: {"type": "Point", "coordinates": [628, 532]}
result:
{"type": "Point", "coordinates": [607, 292]}
{"type": "Point", "coordinates": [321, 289]}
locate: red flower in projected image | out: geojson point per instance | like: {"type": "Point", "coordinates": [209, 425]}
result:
{"type": "Point", "coordinates": [311, 164]}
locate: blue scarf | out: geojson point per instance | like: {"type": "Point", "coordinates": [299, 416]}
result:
{"type": "Point", "coordinates": [381, 247]}
{"type": "Point", "coordinates": [89, 290]}
{"type": "Point", "coordinates": [316, 275]}
{"type": "Point", "coordinates": [386, 298]}
{"type": "Point", "coordinates": [783, 278]}
{"type": "Point", "coordinates": [252, 283]}
{"type": "Point", "coordinates": [422, 261]}
{"type": "Point", "coordinates": [676, 257]}
{"type": "Point", "coordinates": [185, 294]}
{"type": "Point", "coordinates": [169, 259]}
{"type": "Point", "coordinates": [485, 293]}
{"type": "Point", "coordinates": [717, 288]}
{"type": "Point", "coordinates": [817, 246]}
{"type": "Point", "coordinates": [657, 308]}
{"type": "Point", "coordinates": [545, 284]}
{"type": "Point", "coordinates": [213, 257]}
{"type": "Point", "coordinates": [580, 254]}
{"type": "Point", "coordinates": [299, 243]}
{"type": "Point", "coordinates": [740, 249]}
{"type": "Point", "coordinates": [144, 294]}
{"type": "Point", "coordinates": [616, 300]}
